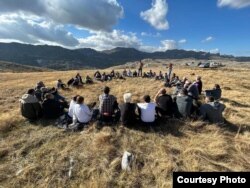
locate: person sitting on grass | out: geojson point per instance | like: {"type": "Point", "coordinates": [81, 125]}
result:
{"type": "Point", "coordinates": [30, 107]}
{"type": "Point", "coordinates": [59, 97]}
{"type": "Point", "coordinates": [164, 103]}
{"type": "Point", "coordinates": [39, 85]}
{"type": "Point", "coordinates": [88, 80]}
{"type": "Point", "coordinates": [79, 78]}
{"type": "Point", "coordinates": [212, 111]}
{"type": "Point", "coordinates": [97, 76]}
{"type": "Point", "coordinates": [129, 74]}
{"type": "Point", "coordinates": [60, 85]}
{"type": "Point", "coordinates": [128, 115]}
{"type": "Point", "coordinates": [215, 92]}
{"type": "Point", "coordinates": [108, 106]}
{"type": "Point", "coordinates": [184, 104]}
{"type": "Point", "coordinates": [135, 74]}
{"type": "Point", "coordinates": [52, 109]}
{"type": "Point", "coordinates": [81, 114]}
{"type": "Point", "coordinates": [71, 108]}
{"type": "Point", "coordinates": [147, 111]}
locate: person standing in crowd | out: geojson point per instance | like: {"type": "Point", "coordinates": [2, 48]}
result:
{"type": "Point", "coordinates": [199, 84]}
{"type": "Point", "coordinates": [140, 68]}
{"type": "Point", "coordinates": [170, 69]}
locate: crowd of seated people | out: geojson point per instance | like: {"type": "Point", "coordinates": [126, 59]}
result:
{"type": "Point", "coordinates": [108, 77]}
{"type": "Point", "coordinates": [184, 102]}
{"type": "Point", "coordinates": [42, 102]}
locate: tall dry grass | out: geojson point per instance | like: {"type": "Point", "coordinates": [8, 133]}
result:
{"type": "Point", "coordinates": [39, 154]}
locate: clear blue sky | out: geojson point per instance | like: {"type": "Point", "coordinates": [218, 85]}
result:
{"type": "Point", "coordinates": [148, 25]}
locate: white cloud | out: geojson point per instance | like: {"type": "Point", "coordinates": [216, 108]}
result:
{"type": "Point", "coordinates": [214, 51]}
{"type": "Point", "coordinates": [144, 34]}
{"type": "Point", "coordinates": [182, 41]}
{"type": "Point", "coordinates": [168, 45]}
{"type": "Point", "coordinates": [108, 40]}
{"type": "Point", "coordinates": [46, 21]}
{"type": "Point", "coordinates": [234, 3]}
{"type": "Point", "coordinates": [94, 14]}
{"type": "Point", "coordinates": [208, 39]}
{"type": "Point", "coordinates": [156, 15]}
{"type": "Point", "coordinates": [32, 29]}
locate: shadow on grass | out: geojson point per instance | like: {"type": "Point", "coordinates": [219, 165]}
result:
{"type": "Point", "coordinates": [44, 122]}
{"type": "Point", "coordinates": [229, 126]}
{"type": "Point", "coordinates": [235, 103]}
{"type": "Point", "coordinates": [162, 127]}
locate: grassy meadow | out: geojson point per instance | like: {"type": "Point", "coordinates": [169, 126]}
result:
{"type": "Point", "coordinates": [39, 154]}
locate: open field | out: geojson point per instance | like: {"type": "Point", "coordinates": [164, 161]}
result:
{"type": "Point", "coordinates": [38, 155]}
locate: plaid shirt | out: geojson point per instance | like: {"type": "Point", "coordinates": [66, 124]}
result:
{"type": "Point", "coordinates": [106, 103]}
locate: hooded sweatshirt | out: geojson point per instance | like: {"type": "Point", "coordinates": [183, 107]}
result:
{"type": "Point", "coordinates": [212, 112]}
{"type": "Point", "coordinates": [30, 107]}
{"type": "Point", "coordinates": [184, 104]}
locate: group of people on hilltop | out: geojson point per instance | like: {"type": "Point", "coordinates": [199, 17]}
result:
{"type": "Point", "coordinates": [184, 103]}
{"type": "Point", "coordinates": [77, 81]}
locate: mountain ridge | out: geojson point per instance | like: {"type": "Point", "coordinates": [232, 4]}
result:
{"type": "Point", "coordinates": [59, 58]}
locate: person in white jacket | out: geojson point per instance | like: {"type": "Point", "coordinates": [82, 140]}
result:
{"type": "Point", "coordinates": [81, 112]}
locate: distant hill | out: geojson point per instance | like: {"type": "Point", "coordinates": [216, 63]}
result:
{"type": "Point", "coordinates": [55, 57]}
{"type": "Point", "coordinates": [14, 67]}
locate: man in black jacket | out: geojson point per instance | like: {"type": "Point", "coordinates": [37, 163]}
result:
{"type": "Point", "coordinates": [128, 115]}
{"type": "Point", "coordinates": [51, 108]}
{"type": "Point", "coordinates": [30, 107]}
{"type": "Point", "coordinates": [164, 103]}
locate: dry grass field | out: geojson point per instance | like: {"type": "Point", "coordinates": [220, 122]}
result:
{"type": "Point", "coordinates": [39, 154]}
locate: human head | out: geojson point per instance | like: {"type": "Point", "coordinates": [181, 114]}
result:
{"type": "Point", "coordinates": [216, 86]}
{"type": "Point", "coordinates": [127, 97]}
{"type": "Point", "coordinates": [147, 98]}
{"type": "Point", "coordinates": [75, 97]}
{"type": "Point", "coordinates": [40, 83]}
{"type": "Point", "coordinates": [209, 99]}
{"type": "Point", "coordinates": [59, 80]}
{"type": "Point", "coordinates": [198, 78]}
{"type": "Point", "coordinates": [163, 91]}
{"type": "Point", "coordinates": [48, 96]}
{"type": "Point", "coordinates": [79, 100]}
{"type": "Point", "coordinates": [106, 90]}
{"type": "Point", "coordinates": [31, 92]}
{"type": "Point", "coordinates": [53, 90]}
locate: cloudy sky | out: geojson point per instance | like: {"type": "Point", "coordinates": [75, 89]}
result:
{"type": "Point", "coordinates": [148, 25]}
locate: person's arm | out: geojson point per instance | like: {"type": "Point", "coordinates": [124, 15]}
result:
{"type": "Point", "coordinates": [87, 111]}
{"type": "Point", "coordinates": [138, 109]}
{"type": "Point", "coordinates": [157, 95]}
{"type": "Point", "coordinates": [74, 117]}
